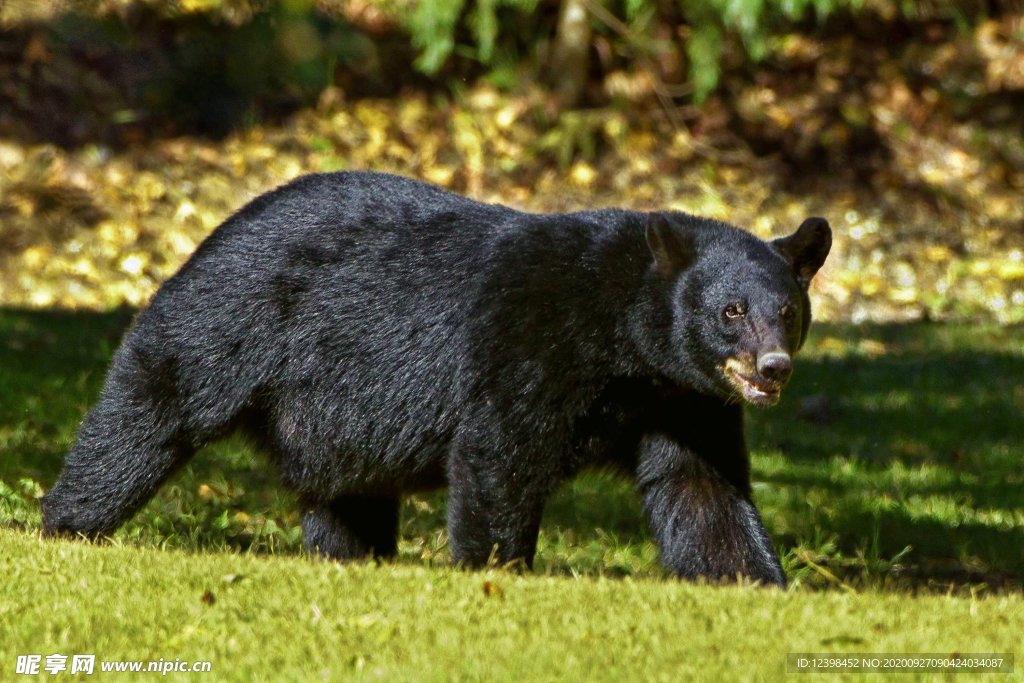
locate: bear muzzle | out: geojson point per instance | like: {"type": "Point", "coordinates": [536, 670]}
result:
{"type": "Point", "coordinates": [759, 382]}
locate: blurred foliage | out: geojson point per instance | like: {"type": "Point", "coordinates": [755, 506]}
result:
{"type": "Point", "coordinates": [129, 129]}
{"type": "Point", "coordinates": [432, 26]}
{"type": "Point", "coordinates": [702, 30]}
{"type": "Point", "coordinates": [694, 41]}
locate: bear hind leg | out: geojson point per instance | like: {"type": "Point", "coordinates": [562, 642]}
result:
{"type": "Point", "coordinates": [126, 448]}
{"type": "Point", "coordinates": [352, 527]}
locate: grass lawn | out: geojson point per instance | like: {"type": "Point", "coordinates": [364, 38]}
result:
{"type": "Point", "coordinates": [284, 617]}
{"type": "Point", "coordinates": [889, 477]}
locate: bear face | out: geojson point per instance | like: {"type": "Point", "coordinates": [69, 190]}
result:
{"type": "Point", "coordinates": [736, 315]}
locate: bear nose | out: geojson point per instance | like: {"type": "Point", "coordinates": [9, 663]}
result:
{"type": "Point", "coordinates": [775, 366]}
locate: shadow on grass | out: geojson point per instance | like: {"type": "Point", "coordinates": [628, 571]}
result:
{"type": "Point", "coordinates": [904, 436]}
{"type": "Point", "coordinates": [891, 436]}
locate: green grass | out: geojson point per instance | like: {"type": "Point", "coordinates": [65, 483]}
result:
{"type": "Point", "coordinates": [288, 618]}
{"type": "Point", "coordinates": [889, 478]}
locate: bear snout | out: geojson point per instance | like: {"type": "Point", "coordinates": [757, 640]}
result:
{"type": "Point", "coordinates": [775, 366]}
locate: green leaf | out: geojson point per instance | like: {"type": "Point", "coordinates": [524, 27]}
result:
{"type": "Point", "coordinates": [634, 8]}
{"type": "Point", "coordinates": [484, 24]}
{"type": "Point", "coordinates": [432, 26]}
{"type": "Point", "coordinates": [704, 48]}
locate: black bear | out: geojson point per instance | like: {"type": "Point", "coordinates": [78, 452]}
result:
{"type": "Point", "coordinates": [377, 336]}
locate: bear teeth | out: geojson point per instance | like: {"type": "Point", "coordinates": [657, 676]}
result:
{"type": "Point", "coordinates": [754, 390]}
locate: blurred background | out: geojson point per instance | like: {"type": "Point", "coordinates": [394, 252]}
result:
{"type": "Point", "coordinates": [130, 128]}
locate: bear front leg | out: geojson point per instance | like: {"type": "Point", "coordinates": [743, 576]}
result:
{"type": "Point", "coordinates": [352, 527]}
{"type": "Point", "coordinates": [705, 524]}
{"type": "Point", "coordinates": [494, 511]}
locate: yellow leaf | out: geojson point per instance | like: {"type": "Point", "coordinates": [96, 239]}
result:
{"type": "Point", "coordinates": [35, 257]}
{"type": "Point", "coordinates": [1011, 270]}
{"type": "Point", "coordinates": [938, 253]}
{"type": "Point", "coordinates": [583, 174]}
{"type": "Point", "coordinates": [133, 264]}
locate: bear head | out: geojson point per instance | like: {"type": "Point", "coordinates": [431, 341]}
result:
{"type": "Point", "coordinates": [727, 311]}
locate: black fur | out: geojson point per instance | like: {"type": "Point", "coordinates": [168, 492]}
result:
{"type": "Point", "coordinates": [381, 336]}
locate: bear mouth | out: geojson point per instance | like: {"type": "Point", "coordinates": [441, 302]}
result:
{"type": "Point", "coordinates": [754, 389]}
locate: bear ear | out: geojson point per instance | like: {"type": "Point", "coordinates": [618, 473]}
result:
{"type": "Point", "coordinates": [673, 249]}
{"type": "Point", "coordinates": [806, 248]}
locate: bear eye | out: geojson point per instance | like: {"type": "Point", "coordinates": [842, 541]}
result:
{"type": "Point", "coordinates": [787, 312]}
{"type": "Point", "coordinates": [736, 310]}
